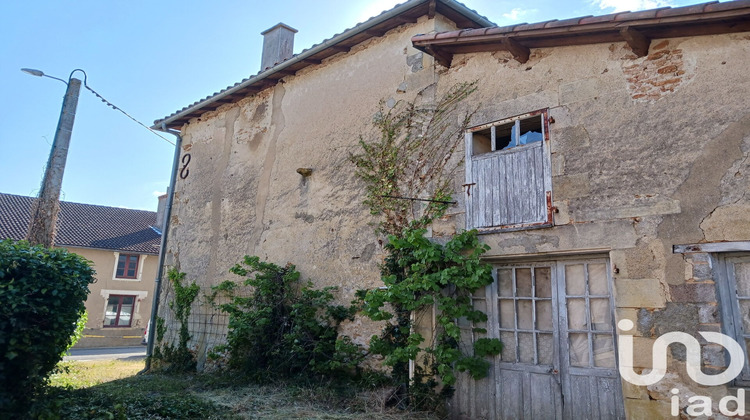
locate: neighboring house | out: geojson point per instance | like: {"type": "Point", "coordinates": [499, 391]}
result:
{"type": "Point", "coordinates": [607, 168]}
{"type": "Point", "coordinates": [123, 244]}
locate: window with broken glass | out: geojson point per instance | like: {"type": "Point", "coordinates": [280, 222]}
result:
{"type": "Point", "coordinates": [508, 177]}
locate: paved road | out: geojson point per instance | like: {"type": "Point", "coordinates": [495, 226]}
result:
{"type": "Point", "coordinates": [108, 353]}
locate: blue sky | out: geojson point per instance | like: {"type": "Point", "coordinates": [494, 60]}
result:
{"type": "Point", "coordinates": [153, 57]}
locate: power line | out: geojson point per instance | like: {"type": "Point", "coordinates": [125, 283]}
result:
{"type": "Point", "coordinates": [115, 107]}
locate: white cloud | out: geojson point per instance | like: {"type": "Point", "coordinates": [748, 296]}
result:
{"type": "Point", "coordinates": [376, 7]}
{"type": "Point", "coordinates": [158, 193]}
{"type": "Point", "coordinates": [631, 5]}
{"type": "Point", "coordinates": [516, 14]}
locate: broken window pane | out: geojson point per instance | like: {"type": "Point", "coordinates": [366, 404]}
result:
{"type": "Point", "coordinates": [523, 282]}
{"type": "Point", "coordinates": [598, 279]}
{"type": "Point", "coordinates": [579, 350]}
{"type": "Point", "coordinates": [575, 282]}
{"type": "Point", "coordinates": [481, 142]}
{"type": "Point", "coordinates": [543, 282]}
{"type": "Point", "coordinates": [601, 318]}
{"type": "Point", "coordinates": [577, 314]}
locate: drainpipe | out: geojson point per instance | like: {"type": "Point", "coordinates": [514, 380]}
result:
{"type": "Point", "coordinates": [163, 247]}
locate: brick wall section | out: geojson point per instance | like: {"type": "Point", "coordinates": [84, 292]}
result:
{"type": "Point", "coordinates": [662, 71]}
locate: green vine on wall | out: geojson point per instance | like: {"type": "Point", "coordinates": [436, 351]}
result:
{"type": "Point", "coordinates": [419, 274]}
{"type": "Point", "coordinates": [178, 357]}
{"type": "Point", "coordinates": [414, 156]}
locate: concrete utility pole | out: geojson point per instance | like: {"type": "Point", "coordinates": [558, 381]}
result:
{"type": "Point", "coordinates": [46, 207]}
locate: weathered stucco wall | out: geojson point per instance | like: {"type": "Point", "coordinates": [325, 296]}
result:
{"type": "Point", "coordinates": [646, 153]}
{"type": "Point", "coordinates": [243, 195]}
{"type": "Point", "coordinates": [106, 284]}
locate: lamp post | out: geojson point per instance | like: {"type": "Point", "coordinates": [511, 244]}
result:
{"type": "Point", "coordinates": [46, 207]}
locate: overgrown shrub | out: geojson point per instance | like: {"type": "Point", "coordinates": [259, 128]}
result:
{"type": "Point", "coordinates": [285, 328]}
{"type": "Point", "coordinates": [42, 293]}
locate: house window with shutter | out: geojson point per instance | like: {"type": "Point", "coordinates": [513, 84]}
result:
{"type": "Point", "coordinates": [508, 179]}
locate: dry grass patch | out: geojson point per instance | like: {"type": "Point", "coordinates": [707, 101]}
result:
{"type": "Point", "coordinates": [111, 389]}
{"type": "Point", "coordinates": [89, 373]}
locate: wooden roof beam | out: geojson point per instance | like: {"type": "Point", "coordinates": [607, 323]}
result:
{"type": "Point", "coordinates": [637, 41]}
{"type": "Point", "coordinates": [431, 8]}
{"type": "Point", "coordinates": [340, 48]}
{"type": "Point", "coordinates": [443, 57]}
{"type": "Point", "coordinates": [519, 52]}
{"type": "Point", "coordinates": [375, 33]}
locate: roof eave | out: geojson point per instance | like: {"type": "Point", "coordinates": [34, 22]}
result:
{"type": "Point", "coordinates": [176, 120]}
{"type": "Point", "coordinates": [636, 28]}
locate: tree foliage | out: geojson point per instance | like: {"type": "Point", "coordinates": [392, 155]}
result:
{"type": "Point", "coordinates": [42, 293]}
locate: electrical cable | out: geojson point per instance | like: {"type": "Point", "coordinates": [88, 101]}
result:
{"type": "Point", "coordinates": [115, 107]}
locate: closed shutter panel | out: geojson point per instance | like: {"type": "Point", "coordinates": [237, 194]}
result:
{"type": "Point", "coordinates": [509, 188]}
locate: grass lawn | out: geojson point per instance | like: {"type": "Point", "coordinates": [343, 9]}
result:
{"type": "Point", "coordinates": [111, 390]}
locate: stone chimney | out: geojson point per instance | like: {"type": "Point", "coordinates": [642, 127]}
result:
{"type": "Point", "coordinates": [161, 208]}
{"type": "Point", "coordinates": [278, 45]}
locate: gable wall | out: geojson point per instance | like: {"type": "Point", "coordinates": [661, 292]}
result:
{"type": "Point", "coordinates": [243, 195]}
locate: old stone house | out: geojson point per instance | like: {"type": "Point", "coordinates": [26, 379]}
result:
{"type": "Point", "coordinates": [606, 166]}
{"type": "Point", "coordinates": [122, 243]}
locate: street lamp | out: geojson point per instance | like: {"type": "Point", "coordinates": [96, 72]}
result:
{"type": "Point", "coordinates": [44, 212]}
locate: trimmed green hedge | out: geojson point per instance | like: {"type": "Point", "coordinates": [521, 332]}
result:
{"type": "Point", "coordinates": [42, 295]}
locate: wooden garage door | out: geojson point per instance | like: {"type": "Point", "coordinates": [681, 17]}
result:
{"type": "Point", "coordinates": [555, 320]}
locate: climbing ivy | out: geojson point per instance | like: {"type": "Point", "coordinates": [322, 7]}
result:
{"type": "Point", "coordinates": [413, 156]}
{"type": "Point", "coordinates": [178, 357]}
{"type": "Point", "coordinates": [408, 171]}
{"type": "Point", "coordinates": [419, 274]}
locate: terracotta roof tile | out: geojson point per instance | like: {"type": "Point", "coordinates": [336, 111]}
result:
{"type": "Point", "coordinates": [598, 19]}
{"type": "Point", "coordinates": [718, 7]}
{"type": "Point", "coordinates": [678, 11]}
{"type": "Point", "coordinates": [85, 225]}
{"type": "Point", "coordinates": [503, 29]}
{"type": "Point", "coordinates": [532, 26]}
{"type": "Point", "coordinates": [565, 22]}
{"type": "Point", "coordinates": [644, 14]}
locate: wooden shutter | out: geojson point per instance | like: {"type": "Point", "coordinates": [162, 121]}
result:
{"type": "Point", "coordinates": [509, 188]}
